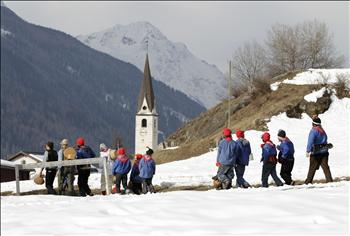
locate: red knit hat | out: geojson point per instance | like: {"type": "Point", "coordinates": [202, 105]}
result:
{"type": "Point", "coordinates": [80, 141]}
{"type": "Point", "coordinates": [240, 134]}
{"type": "Point", "coordinates": [227, 132]}
{"type": "Point", "coordinates": [138, 156]}
{"type": "Point", "coordinates": [265, 137]}
{"type": "Point", "coordinates": [121, 151]}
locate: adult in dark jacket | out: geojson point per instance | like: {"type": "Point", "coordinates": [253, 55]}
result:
{"type": "Point", "coordinates": [147, 169]}
{"type": "Point", "coordinates": [317, 151]}
{"type": "Point", "coordinates": [50, 155]}
{"type": "Point", "coordinates": [228, 152]}
{"type": "Point", "coordinates": [243, 159]}
{"type": "Point", "coordinates": [269, 160]}
{"type": "Point", "coordinates": [121, 168]}
{"type": "Point", "coordinates": [66, 175]}
{"type": "Point", "coordinates": [84, 152]}
{"type": "Point", "coordinates": [135, 183]}
{"type": "Point", "coordinates": [285, 157]}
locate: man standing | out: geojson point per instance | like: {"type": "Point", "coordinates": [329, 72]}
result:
{"type": "Point", "coordinates": [317, 151]}
{"type": "Point", "coordinates": [242, 160]}
{"type": "Point", "coordinates": [228, 151]}
{"type": "Point", "coordinates": [286, 157]}
{"type": "Point", "coordinates": [84, 152]}
{"type": "Point", "coordinates": [66, 175]}
{"type": "Point", "coordinates": [50, 155]}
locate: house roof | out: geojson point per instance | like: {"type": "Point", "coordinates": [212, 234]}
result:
{"type": "Point", "coordinates": [146, 88]}
{"type": "Point", "coordinates": [34, 155]}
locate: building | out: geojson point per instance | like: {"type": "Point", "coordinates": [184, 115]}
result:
{"type": "Point", "coordinates": [146, 122]}
{"type": "Point", "coordinates": [7, 172]}
{"type": "Point", "coordinates": [24, 157]}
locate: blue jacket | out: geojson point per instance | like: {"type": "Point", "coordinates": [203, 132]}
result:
{"type": "Point", "coordinates": [286, 149]}
{"type": "Point", "coordinates": [135, 172]}
{"type": "Point", "coordinates": [245, 151]}
{"type": "Point", "coordinates": [316, 136]}
{"type": "Point", "coordinates": [228, 152]}
{"type": "Point", "coordinates": [122, 165]}
{"type": "Point", "coordinates": [84, 152]}
{"type": "Point", "coordinates": [147, 167]}
{"type": "Point", "coordinates": [268, 150]}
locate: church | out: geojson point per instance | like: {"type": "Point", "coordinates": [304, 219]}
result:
{"type": "Point", "coordinates": [146, 122]}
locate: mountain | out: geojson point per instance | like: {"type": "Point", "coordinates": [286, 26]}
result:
{"type": "Point", "coordinates": [173, 63]}
{"type": "Point", "coordinates": [53, 87]}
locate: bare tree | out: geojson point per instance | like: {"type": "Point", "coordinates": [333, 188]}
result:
{"type": "Point", "coordinates": [249, 63]}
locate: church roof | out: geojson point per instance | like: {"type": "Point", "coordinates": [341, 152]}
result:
{"type": "Point", "coordinates": [146, 88]}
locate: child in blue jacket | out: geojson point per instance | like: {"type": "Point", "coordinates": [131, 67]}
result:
{"type": "Point", "coordinates": [285, 157]}
{"type": "Point", "coordinates": [243, 159]}
{"type": "Point", "coordinates": [269, 159]}
{"type": "Point", "coordinates": [228, 152]}
{"type": "Point", "coordinates": [147, 167]}
{"type": "Point", "coordinates": [121, 168]}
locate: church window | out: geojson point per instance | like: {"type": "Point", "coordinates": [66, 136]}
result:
{"type": "Point", "coordinates": [144, 123]}
{"type": "Point", "coordinates": [144, 107]}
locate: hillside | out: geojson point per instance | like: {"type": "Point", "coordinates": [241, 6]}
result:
{"type": "Point", "coordinates": [173, 63]}
{"type": "Point", "coordinates": [248, 112]}
{"type": "Point", "coordinates": [53, 87]}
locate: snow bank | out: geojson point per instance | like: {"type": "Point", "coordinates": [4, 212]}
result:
{"type": "Point", "coordinates": [316, 209]}
{"type": "Point", "coordinates": [320, 76]}
{"type": "Point", "coordinates": [312, 97]}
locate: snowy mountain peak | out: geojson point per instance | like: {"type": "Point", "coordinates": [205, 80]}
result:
{"type": "Point", "coordinates": [170, 62]}
{"type": "Point", "coordinates": [3, 4]}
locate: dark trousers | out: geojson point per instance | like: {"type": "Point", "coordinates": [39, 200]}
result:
{"type": "Point", "coordinates": [270, 169]}
{"type": "Point", "coordinates": [225, 174]}
{"type": "Point", "coordinates": [315, 162]}
{"type": "Point", "coordinates": [286, 170]}
{"type": "Point", "coordinates": [49, 179]}
{"type": "Point", "coordinates": [147, 186]}
{"type": "Point", "coordinates": [241, 182]}
{"type": "Point", "coordinates": [121, 178]}
{"type": "Point", "coordinates": [67, 180]}
{"type": "Point", "coordinates": [83, 178]}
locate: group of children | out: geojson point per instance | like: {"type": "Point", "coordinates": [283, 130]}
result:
{"type": "Point", "coordinates": [235, 155]}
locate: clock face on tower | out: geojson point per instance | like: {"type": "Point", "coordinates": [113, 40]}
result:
{"type": "Point", "coordinates": [143, 132]}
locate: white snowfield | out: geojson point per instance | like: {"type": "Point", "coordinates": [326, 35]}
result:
{"type": "Point", "coordinates": [312, 209]}
{"type": "Point", "coordinates": [170, 62]}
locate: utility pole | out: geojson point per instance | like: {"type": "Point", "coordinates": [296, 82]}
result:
{"type": "Point", "coordinates": [229, 96]}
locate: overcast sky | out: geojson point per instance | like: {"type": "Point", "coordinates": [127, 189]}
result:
{"type": "Point", "coordinates": [211, 30]}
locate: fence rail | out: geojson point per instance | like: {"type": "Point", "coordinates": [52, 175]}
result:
{"type": "Point", "coordinates": [76, 162]}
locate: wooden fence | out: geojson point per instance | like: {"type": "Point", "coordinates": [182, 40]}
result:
{"type": "Point", "coordinates": [95, 160]}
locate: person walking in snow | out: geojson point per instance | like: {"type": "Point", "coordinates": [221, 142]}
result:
{"type": "Point", "coordinates": [228, 152]}
{"type": "Point", "coordinates": [243, 159]}
{"type": "Point", "coordinates": [135, 183]}
{"type": "Point", "coordinates": [104, 154]}
{"type": "Point", "coordinates": [317, 151]}
{"type": "Point", "coordinates": [269, 160]}
{"type": "Point", "coordinates": [50, 155]}
{"type": "Point", "coordinates": [121, 168]}
{"type": "Point", "coordinates": [285, 157]}
{"type": "Point", "coordinates": [66, 175]}
{"type": "Point", "coordinates": [84, 152]}
{"type": "Point", "coordinates": [147, 167]}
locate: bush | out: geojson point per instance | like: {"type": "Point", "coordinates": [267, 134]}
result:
{"type": "Point", "coordinates": [261, 86]}
{"type": "Point", "coordinates": [342, 86]}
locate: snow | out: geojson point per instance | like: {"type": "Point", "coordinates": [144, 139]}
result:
{"type": "Point", "coordinates": [5, 33]}
{"type": "Point", "coordinates": [312, 97]}
{"type": "Point", "coordinates": [320, 76]}
{"type": "Point", "coordinates": [170, 62]}
{"type": "Point", "coordinates": [7, 163]}
{"type": "Point", "coordinates": [274, 86]}
{"type": "Point", "coordinates": [315, 209]}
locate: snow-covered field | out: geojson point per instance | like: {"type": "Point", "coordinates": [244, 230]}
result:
{"type": "Point", "coordinates": [304, 209]}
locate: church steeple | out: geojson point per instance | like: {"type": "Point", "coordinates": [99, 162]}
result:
{"type": "Point", "coordinates": [146, 88]}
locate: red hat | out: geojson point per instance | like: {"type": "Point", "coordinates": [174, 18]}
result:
{"type": "Point", "coordinates": [227, 132]}
{"type": "Point", "coordinates": [265, 137]}
{"type": "Point", "coordinates": [240, 134]}
{"type": "Point", "coordinates": [121, 151]}
{"type": "Point", "coordinates": [138, 156]}
{"type": "Point", "coordinates": [80, 141]}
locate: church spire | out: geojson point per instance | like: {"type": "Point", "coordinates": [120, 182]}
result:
{"type": "Point", "coordinates": [146, 88]}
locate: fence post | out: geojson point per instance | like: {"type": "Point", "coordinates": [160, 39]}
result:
{"type": "Point", "coordinates": [106, 175]}
{"type": "Point", "coordinates": [17, 179]}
